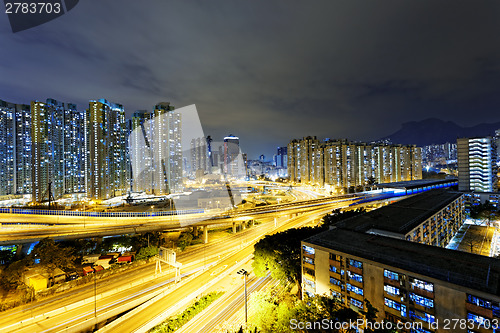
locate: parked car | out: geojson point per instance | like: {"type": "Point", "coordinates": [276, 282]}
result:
{"type": "Point", "coordinates": [72, 276]}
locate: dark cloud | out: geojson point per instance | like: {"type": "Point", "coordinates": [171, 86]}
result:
{"type": "Point", "coordinates": [271, 71]}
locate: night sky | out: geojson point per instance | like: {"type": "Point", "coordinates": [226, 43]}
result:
{"type": "Point", "coordinates": [268, 71]}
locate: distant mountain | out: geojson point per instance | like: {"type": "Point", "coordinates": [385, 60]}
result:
{"type": "Point", "coordinates": [436, 131]}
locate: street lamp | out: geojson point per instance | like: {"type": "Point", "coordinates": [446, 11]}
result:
{"type": "Point", "coordinates": [245, 274]}
{"type": "Point", "coordinates": [95, 294]}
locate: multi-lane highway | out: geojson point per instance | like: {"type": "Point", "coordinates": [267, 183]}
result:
{"type": "Point", "coordinates": [82, 308]}
{"type": "Point", "coordinates": [55, 314]}
{"type": "Point", "coordinates": [29, 228]}
{"type": "Point", "coordinates": [141, 321]}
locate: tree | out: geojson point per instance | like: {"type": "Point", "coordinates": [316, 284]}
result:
{"type": "Point", "coordinates": [370, 181]}
{"type": "Point", "coordinates": [6, 257]}
{"type": "Point", "coordinates": [483, 212]}
{"type": "Point", "coordinates": [12, 276]}
{"type": "Point", "coordinates": [339, 215]}
{"type": "Point", "coordinates": [147, 252]}
{"type": "Point", "coordinates": [472, 244]}
{"type": "Point", "coordinates": [315, 309]}
{"type": "Point", "coordinates": [50, 255]}
{"type": "Point", "coordinates": [273, 311]}
{"type": "Point", "coordinates": [185, 240]}
{"type": "Point", "coordinates": [280, 254]}
{"type": "Point", "coordinates": [145, 240]}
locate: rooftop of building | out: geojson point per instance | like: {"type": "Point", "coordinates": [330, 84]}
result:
{"type": "Point", "coordinates": [412, 184]}
{"type": "Point", "coordinates": [460, 268]}
{"type": "Point", "coordinates": [402, 216]}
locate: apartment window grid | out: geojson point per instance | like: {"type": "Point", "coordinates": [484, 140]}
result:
{"type": "Point", "coordinates": [412, 297]}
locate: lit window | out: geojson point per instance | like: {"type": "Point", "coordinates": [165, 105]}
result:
{"type": "Point", "coordinates": [354, 289]}
{"type": "Point", "coordinates": [423, 301]}
{"type": "Point", "coordinates": [428, 318]}
{"type": "Point", "coordinates": [308, 249]}
{"type": "Point", "coordinates": [392, 304]}
{"type": "Point", "coordinates": [478, 301]}
{"type": "Point", "coordinates": [391, 275]}
{"type": "Point", "coordinates": [309, 260]}
{"type": "Point", "coordinates": [416, 283]}
{"type": "Point", "coordinates": [480, 320]}
{"type": "Point", "coordinates": [356, 303]}
{"type": "Point", "coordinates": [355, 277]}
{"type": "Point", "coordinates": [355, 263]}
{"type": "Point", "coordinates": [391, 290]}
{"type": "Point", "coordinates": [335, 281]}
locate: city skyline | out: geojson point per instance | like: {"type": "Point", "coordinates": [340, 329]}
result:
{"type": "Point", "coordinates": [355, 71]}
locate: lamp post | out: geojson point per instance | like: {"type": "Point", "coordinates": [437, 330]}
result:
{"type": "Point", "coordinates": [245, 273]}
{"type": "Point", "coordinates": [95, 294]}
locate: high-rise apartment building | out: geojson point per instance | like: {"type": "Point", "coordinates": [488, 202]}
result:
{"type": "Point", "coordinates": [74, 150]}
{"type": "Point", "coordinates": [47, 134]}
{"type": "Point", "coordinates": [7, 147]}
{"type": "Point", "coordinates": [477, 168]}
{"type": "Point", "coordinates": [233, 162]}
{"type": "Point", "coordinates": [439, 154]}
{"type": "Point", "coordinates": [106, 142]}
{"type": "Point", "coordinates": [347, 166]}
{"type": "Point", "coordinates": [281, 161]}
{"type": "Point", "coordinates": [200, 163]}
{"type": "Point", "coordinates": [155, 145]}
{"type": "Point", "coordinates": [140, 152]}
{"type": "Point", "coordinates": [23, 147]}
{"type": "Point", "coordinates": [167, 149]}
{"type": "Point", "coordinates": [15, 148]}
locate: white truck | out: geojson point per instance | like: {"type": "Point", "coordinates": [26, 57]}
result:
{"type": "Point", "coordinates": [90, 258]}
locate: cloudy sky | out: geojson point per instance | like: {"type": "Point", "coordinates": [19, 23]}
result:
{"type": "Point", "coordinates": [268, 71]}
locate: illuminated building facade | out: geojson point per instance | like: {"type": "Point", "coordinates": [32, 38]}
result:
{"type": "Point", "coordinates": [47, 134]}
{"type": "Point", "coordinates": [167, 149]}
{"type": "Point", "coordinates": [477, 169]}
{"type": "Point", "coordinates": [200, 162]}
{"type": "Point", "coordinates": [15, 148]}
{"type": "Point", "coordinates": [74, 150]}
{"type": "Point", "coordinates": [107, 167]}
{"type": "Point", "coordinates": [431, 218]}
{"type": "Point", "coordinates": [22, 157]}
{"type": "Point", "coordinates": [281, 161]}
{"type": "Point", "coordinates": [406, 279]}
{"type": "Point", "coordinates": [7, 147]}
{"type": "Point", "coordinates": [233, 162]}
{"type": "Point", "coordinates": [349, 166]}
{"type": "Point", "coordinates": [141, 153]}
{"type": "Point", "coordinates": [155, 144]}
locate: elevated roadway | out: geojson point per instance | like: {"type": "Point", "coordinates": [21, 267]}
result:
{"type": "Point", "coordinates": [77, 310]}
{"type": "Point", "coordinates": [23, 228]}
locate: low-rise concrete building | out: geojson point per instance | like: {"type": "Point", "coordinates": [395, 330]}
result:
{"type": "Point", "coordinates": [431, 217]}
{"type": "Point", "coordinates": [394, 258]}
{"type": "Point", "coordinates": [405, 281]}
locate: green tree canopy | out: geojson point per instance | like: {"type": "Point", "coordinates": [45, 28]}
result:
{"type": "Point", "coordinates": [485, 212]}
{"type": "Point", "coordinates": [147, 252]}
{"type": "Point", "coordinates": [185, 240]}
{"type": "Point", "coordinates": [12, 276]}
{"type": "Point", "coordinates": [338, 215]}
{"type": "Point", "coordinates": [49, 254]}
{"type": "Point", "coordinates": [280, 254]}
